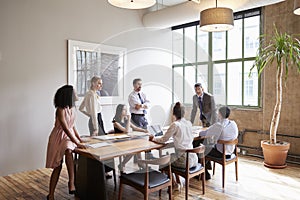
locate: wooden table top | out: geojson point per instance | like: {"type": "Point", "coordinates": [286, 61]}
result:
{"type": "Point", "coordinates": [136, 142]}
{"type": "Point", "coordinates": [118, 147]}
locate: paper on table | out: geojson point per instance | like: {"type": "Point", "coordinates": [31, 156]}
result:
{"type": "Point", "coordinates": [110, 137]}
{"type": "Point", "coordinates": [97, 145]}
{"type": "Point", "coordinates": [137, 133]}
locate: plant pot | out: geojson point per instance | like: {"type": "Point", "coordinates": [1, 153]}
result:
{"type": "Point", "coordinates": [275, 154]}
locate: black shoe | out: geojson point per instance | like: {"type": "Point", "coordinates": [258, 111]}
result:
{"type": "Point", "coordinates": [207, 176]}
{"type": "Point", "coordinates": [150, 156]}
{"type": "Point", "coordinates": [72, 191]}
{"type": "Point", "coordinates": [208, 165]}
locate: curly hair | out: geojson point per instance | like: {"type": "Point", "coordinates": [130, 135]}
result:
{"type": "Point", "coordinates": [64, 97]}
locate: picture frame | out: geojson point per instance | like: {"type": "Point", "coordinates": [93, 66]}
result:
{"type": "Point", "coordinates": [86, 59]}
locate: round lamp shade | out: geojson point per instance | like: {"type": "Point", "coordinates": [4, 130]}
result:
{"type": "Point", "coordinates": [132, 4]}
{"type": "Point", "coordinates": [297, 7]}
{"type": "Point", "coordinates": [216, 19]}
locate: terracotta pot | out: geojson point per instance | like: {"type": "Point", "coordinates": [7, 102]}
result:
{"type": "Point", "coordinates": [275, 154]}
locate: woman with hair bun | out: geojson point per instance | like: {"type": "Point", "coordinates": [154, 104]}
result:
{"type": "Point", "coordinates": [181, 131]}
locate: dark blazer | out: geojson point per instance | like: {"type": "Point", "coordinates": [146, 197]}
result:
{"type": "Point", "coordinates": [209, 108]}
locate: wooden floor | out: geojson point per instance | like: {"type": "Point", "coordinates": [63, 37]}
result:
{"type": "Point", "coordinates": [255, 182]}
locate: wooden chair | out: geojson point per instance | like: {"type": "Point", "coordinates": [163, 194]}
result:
{"type": "Point", "coordinates": [189, 173]}
{"type": "Point", "coordinates": [147, 181]}
{"type": "Point", "coordinates": [225, 161]}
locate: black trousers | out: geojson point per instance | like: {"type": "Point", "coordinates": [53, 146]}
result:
{"type": "Point", "coordinates": [101, 130]}
{"type": "Point", "coordinates": [139, 120]}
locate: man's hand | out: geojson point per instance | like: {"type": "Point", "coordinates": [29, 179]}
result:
{"type": "Point", "coordinates": [151, 137]}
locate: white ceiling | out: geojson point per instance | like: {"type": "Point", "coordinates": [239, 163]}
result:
{"type": "Point", "coordinates": [171, 2]}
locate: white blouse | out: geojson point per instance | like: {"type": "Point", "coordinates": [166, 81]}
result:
{"type": "Point", "coordinates": [91, 106]}
{"type": "Point", "coordinates": [181, 131]}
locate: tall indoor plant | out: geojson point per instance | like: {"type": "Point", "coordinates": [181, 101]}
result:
{"type": "Point", "coordinates": [284, 50]}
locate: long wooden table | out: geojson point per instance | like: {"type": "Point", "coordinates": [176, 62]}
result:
{"type": "Point", "coordinates": [90, 173]}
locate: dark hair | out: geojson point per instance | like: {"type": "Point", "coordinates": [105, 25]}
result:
{"type": "Point", "coordinates": [198, 85]}
{"type": "Point", "coordinates": [119, 109]}
{"type": "Point", "coordinates": [178, 110]}
{"type": "Point", "coordinates": [136, 80]}
{"type": "Point", "coordinates": [224, 111]}
{"type": "Point", "coordinates": [64, 97]}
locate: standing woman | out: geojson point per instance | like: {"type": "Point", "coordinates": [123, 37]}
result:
{"type": "Point", "coordinates": [63, 139]}
{"type": "Point", "coordinates": [91, 107]}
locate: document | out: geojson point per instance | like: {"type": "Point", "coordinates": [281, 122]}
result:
{"type": "Point", "coordinates": [111, 137]}
{"type": "Point", "coordinates": [98, 145]}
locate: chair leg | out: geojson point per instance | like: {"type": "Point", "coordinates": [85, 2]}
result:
{"type": "Point", "coordinates": [214, 168]}
{"type": "Point", "coordinates": [159, 193]}
{"type": "Point", "coordinates": [115, 179]}
{"type": "Point", "coordinates": [223, 176]}
{"type": "Point", "coordinates": [146, 196]}
{"type": "Point", "coordinates": [236, 171]}
{"type": "Point", "coordinates": [120, 190]}
{"type": "Point", "coordinates": [170, 192]}
{"type": "Point", "coordinates": [187, 182]}
{"type": "Point", "coordinates": [203, 182]}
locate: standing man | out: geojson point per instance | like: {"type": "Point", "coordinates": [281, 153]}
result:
{"type": "Point", "coordinates": [138, 104]}
{"type": "Point", "coordinates": [206, 104]}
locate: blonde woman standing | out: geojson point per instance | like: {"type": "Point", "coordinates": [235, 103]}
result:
{"type": "Point", "coordinates": [91, 107]}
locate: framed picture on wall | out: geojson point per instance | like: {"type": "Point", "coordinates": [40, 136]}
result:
{"type": "Point", "coordinates": [86, 60]}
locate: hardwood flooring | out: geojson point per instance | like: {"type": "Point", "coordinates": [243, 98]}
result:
{"type": "Point", "coordinates": [255, 182]}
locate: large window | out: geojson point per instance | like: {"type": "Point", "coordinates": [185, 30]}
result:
{"type": "Point", "coordinates": [220, 61]}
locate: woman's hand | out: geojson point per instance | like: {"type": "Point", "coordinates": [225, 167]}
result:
{"type": "Point", "coordinates": [95, 133]}
{"type": "Point", "coordinates": [81, 146]}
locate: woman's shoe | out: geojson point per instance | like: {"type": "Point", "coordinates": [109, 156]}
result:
{"type": "Point", "coordinates": [71, 191]}
{"type": "Point", "coordinates": [177, 187]}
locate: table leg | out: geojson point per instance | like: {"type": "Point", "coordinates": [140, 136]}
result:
{"type": "Point", "coordinates": [90, 179]}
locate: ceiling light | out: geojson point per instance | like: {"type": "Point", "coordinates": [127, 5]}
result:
{"type": "Point", "coordinates": [132, 4]}
{"type": "Point", "coordinates": [216, 19]}
{"type": "Point", "coordinates": [297, 7]}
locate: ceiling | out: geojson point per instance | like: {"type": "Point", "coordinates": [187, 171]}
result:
{"type": "Point", "coordinates": [172, 2]}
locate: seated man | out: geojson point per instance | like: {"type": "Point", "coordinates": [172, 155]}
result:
{"type": "Point", "coordinates": [224, 129]}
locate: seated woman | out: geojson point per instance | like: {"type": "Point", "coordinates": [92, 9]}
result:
{"type": "Point", "coordinates": [181, 131]}
{"type": "Point", "coordinates": [122, 124]}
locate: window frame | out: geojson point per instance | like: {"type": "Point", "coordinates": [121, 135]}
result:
{"type": "Point", "coordinates": [210, 78]}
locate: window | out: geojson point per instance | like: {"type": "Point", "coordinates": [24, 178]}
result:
{"type": "Point", "coordinates": [221, 61]}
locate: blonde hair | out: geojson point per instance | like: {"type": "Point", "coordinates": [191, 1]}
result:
{"type": "Point", "coordinates": [95, 79]}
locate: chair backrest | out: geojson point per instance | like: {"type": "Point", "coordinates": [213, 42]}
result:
{"type": "Point", "coordinates": [158, 161]}
{"type": "Point", "coordinates": [199, 149]}
{"type": "Point", "coordinates": [229, 142]}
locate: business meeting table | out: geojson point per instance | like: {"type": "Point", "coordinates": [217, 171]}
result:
{"type": "Point", "coordinates": [90, 180]}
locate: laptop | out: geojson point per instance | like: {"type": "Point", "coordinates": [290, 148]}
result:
{"type": "Point", "coordinates": [155, 130]}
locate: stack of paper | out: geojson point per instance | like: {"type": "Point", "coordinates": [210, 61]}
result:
{"type": "Point", "coordinates": [98, 145]}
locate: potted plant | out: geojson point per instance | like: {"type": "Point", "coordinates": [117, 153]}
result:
{"type": "Point", "coordinates": [284, 50]}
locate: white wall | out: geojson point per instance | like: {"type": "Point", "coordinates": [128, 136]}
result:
{"type": "Point", "coordinates": [33, 64]}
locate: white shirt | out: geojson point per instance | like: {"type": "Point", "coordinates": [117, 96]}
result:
{"type": "Point", "coordinates": [134, 99]}
{"type": "Point", "coordinates": [91, 106]}
{"type": "Point", "coordinates": [181, 131]}
{"type": "Point", "coordinates": [224, 130]}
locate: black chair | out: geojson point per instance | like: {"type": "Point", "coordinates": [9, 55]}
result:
{"type": "Point", "coordinates": [189, 173]}
{"type": "Point", "coordinates": [148, 180]}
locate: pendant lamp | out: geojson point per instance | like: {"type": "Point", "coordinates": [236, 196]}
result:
{"type": "Point", "coordinates": [132, 4]}
{"type": "Point", "coordinates": [297, 7]}
{"type": "Point", "coordinates": [216, 19]}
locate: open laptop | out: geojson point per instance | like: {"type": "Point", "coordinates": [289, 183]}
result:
{"type": "Point", "coordinates": [155, 130]}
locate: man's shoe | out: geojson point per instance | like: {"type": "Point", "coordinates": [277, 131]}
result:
{"type": "Point", "coordinates": [150, 156]}
{"type": "Point", "coordinates": [208, 165]}
{"type": "Point", "coordinates": [207, 176]}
